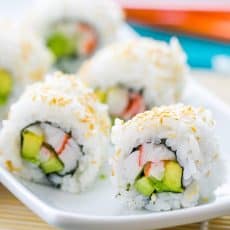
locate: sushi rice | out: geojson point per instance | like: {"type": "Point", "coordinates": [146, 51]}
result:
{"type": "Point", "coordinates": [23, 60]}
{"type": "Point", "coordinates": [57, 133]}
{"type": "Point", "coordinates": [135, 75]}
{"type": "Point", "coordinates": [166, 158]}
{"type": "Point", "coordinates": [74, 29]}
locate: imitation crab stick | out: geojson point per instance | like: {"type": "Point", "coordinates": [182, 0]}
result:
{"type": "Point", "coordinates": [64, 143]}
{"type": "Point", "coordinates": [136, 105]}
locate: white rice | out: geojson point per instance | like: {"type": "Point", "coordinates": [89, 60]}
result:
{"type": "Point", "coordinates": [24, 56]}
{"type": "Point", "coordinates": [156, 67]}
{"type": "Point", "coordinates": [65, 101]}
{"type": "Point", "coordinates": [191, 133]}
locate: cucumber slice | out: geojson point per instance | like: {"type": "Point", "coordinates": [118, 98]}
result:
{"type": "Point", "coordinates": [52, 165]}
{"type": "Point", "coordinates": [61, 45]}
{"type": "Point", "coordinates": [158, 185]}
{"type": "Point", "coordinates": [3, 100]}
{"type": "Point", "coordinates": [144, 186]}
{"type": "Point", "coordinates": [49, 161]}
{"type": "Point", "coordinates": [31, 144]}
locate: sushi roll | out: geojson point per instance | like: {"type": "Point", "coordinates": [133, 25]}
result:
{"type": "Point", "coordinates": [135, 75]}
{"type": "Point", "coordinates": [166, 158]}
{"type": "Point", "coordinates": [57, 133]}
{"type": "Point", "coordinates": [23, 60]}
{"type": "Point", "coordinates": [74, 29]}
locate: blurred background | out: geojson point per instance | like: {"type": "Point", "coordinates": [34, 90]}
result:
{"type": "Point", "coordinates": [198, 25]}
{"type": "Point", "coordinates": [203, 29]}
{"type": "Point", "coordinates": [202, 26]}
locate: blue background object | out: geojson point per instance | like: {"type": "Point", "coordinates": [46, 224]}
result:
{"type": "Point", "coordinates": [200, 51]}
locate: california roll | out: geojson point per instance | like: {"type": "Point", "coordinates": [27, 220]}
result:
{"type": "Point", "coordinates": [135, 75]}
{"type": "Point", "coordinates": [74, 29]}
{"type": "Point", "coordinates": [57, 134]}
{"type": "Point", "coordinates": [23, 60]}
{"type": "Point", "coordinates": [167, 158]}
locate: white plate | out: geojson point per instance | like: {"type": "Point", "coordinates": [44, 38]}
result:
{"type": "Point", "coordinates": [98, 209]}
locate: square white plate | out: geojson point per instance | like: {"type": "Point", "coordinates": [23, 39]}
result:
{"type": "Point", "coordinates": [98, 209]}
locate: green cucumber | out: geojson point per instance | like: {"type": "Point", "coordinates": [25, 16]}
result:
{"type": "Point", "coordinates": [144, 186]}
{"type": "Point", "coordinates": [61, 45]}
{"type": "Point", "coordinates": [52, 165]}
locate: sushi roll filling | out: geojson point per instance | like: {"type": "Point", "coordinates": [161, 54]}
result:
{"type": "Point", "coordinates": [155, 170]}
{"type": "Point", "coordinates": [51, 149]}
{"type": "Point", "coordinates": [70, 40]}
{"type": "Point", "coordinates": [6, 85]}
{"type": "Point", "coordinates": [122, 102]}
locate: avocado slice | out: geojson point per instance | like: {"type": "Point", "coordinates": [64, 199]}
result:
{"type": "Point", "coordinates": [144, 186]}
{"type": "Point", "coordinates": [101, 95]}
{"type": "Point", "coordinates": [173, 177]}
{"type": "Point", "coordinates": [5, 86]}
{"type": "Point", "coordinates": [31, 144]}
{"type": "Point", "coordinates": [61, 45]}
{"type": "Point", "coordinates": [52, 165]}
{"type": "Point", "coordinates": [171, 181]}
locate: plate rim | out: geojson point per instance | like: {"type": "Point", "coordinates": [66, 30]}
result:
{"type": "Point", "coordinates": [58, 218]}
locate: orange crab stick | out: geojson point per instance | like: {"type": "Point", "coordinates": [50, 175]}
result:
{"type": "Point", "coordinates": [140, 156]}
{"type": "Point", "coordinates": [136, 105]}
{"type": "Point", "coordinates": [147, 168]}
{"type": "Point", "coordinates": [63, 145]}
{"type": "Point", "coordinates": [89, 39]}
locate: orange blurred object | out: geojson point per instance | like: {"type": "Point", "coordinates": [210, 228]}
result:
{"type": "Point", "coordinates": [211, 22]}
